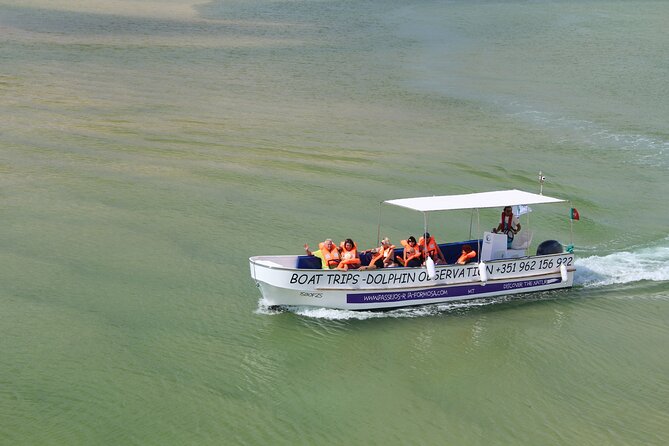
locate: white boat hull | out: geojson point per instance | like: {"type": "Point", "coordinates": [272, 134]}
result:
{"type": "Point", "coordinates": [281, 284]}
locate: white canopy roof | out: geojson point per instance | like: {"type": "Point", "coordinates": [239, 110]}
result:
{"type": "Point", "coordinates": [479, 200]}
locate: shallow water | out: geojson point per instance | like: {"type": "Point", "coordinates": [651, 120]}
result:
{"type": "Point", "coordinates": [149, 148]}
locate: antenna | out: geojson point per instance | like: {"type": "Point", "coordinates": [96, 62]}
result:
{"type": "Point", "coordinates": [542, 178]}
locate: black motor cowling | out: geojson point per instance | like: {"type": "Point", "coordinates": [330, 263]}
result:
{"type": "Point", "coordinates": [549, 247]}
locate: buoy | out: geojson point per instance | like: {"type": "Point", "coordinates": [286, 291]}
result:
{"type": "Point", "coordinates": [431, 270]}
{"type": "Point", "coordinates": [483, 273]}
{"type": "Point", "coordinates": [563, 272]}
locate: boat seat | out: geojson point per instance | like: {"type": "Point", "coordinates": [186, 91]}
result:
{"type": "Point", "coordinates": [522, 240]}
{"type": "Point", "coordinates": [309, 262]}
{"type": "Point", "coordinates": [453, 251]}
{"type": "Point", "coordinates": [519, 246]}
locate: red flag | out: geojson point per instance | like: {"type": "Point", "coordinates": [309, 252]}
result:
{"type": "Point", "coordinates": [574, 214]}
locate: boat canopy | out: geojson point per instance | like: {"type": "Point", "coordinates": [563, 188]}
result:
{"type": "Point", "coordinates": [480, 200]}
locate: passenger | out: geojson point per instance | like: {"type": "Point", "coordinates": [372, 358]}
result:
{"type": "Point", "coordinates": [432, 250]}
{"type": "Point", "coordinates": [383, 256]}
{"type": "Point", "coordinates": [349, 255]}
{"type": "Point", "coordinates": [508, 225]}
{"type": "Point", "coordinates": [412, 255]}
{"type": "Point", "coordinates": [467, 255]}
{"type": "Point", "coordinates": [327, 252]}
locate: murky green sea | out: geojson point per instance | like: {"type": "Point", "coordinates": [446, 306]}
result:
{"type": "Point", "coordinates": [147, 149]}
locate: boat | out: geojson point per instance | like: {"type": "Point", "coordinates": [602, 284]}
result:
{"type": "Point", "coordinates": [498, 269]}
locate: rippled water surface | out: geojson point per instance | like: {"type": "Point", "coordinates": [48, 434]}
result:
{"type": "Point", "coordinates": [149, 148]}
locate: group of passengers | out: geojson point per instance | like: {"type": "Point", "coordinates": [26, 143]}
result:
{"type": "Point", "coordinates": [345, 256]}
{"type": "Point", "coordinates": [415, 253]}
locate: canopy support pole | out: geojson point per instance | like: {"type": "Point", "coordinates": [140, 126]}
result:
{"type": "Point", "coordinates": [478, 231]}
{"type": "Point", "coordinates": [529, 229]}
{"type": "Point", "coordinates": [425, 226]}
{"type": "Point", "coordinates": [571, 225]}
{"type": "Point", "coordinates": [378, 227]}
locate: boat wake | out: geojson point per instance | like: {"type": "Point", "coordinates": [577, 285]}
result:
{"type": "Point", "coordinates": [642, 149]}
{"type": "Point", "coordinates": [651, 263]}
{"type": "Point", "coordinates": [407, 312]}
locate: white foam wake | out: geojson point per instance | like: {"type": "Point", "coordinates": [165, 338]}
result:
{"type": "Point", "coordinates": [624, 267]}
{"type": "Point", "coordinates": [406, 312]}
{"type": "Point", "coordinates": [642, 149]}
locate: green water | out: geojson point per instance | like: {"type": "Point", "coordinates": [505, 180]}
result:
{"type": "Point", "coordinates": [147, 149]}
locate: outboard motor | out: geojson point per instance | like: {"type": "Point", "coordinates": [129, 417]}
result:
{"type": "Point", "coordinates": [549, 247]}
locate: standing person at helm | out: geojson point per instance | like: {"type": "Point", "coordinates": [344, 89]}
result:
{"type": "Point", "coordinates": [327, 252]}
{"type": "Point", "coordinates": [509, 225]}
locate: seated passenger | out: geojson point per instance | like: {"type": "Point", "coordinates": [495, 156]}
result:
{"type": "Point", "coordinates": [412, 255]}
{"type": "Point", "coordinates": [432, 249]}
{"type": "Point", "coordinates": [467, 255]}
{"type": "Point", "coordinates": [383, 256]}
{"type": "Point", "coordinates": [327, 252]}
{"type": "Point", "coordinates": [509, 225]}
{"type": "Point", "coordinates": [349, 255]}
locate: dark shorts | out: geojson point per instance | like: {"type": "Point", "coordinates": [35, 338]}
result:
{"type": "Point", "coordinates": [413, 263]}
{"type": "Point", "coordinates": [379, 263]}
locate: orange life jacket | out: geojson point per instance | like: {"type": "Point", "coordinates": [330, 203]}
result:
{"type": "Point", "coordinates": [432, 247]}
{"type": "Point", "coordinates": [331, 257]}
{"type": "Point", "coordinates": [383, 253]}
{"type": "Point", "coordinates": [506, 225]}
{"type": "Point", "coordinates": [349, 257]}
{"type": "Point", "coordinates": [407, 255]}
{"type": "Point", "coordinates": [466, 256]}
